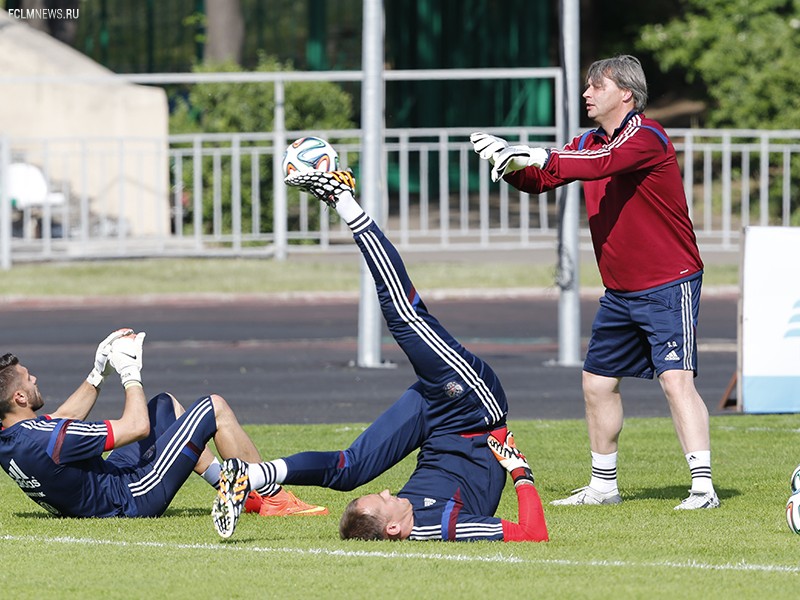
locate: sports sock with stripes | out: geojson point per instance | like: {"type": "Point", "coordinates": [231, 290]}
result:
{"type": "Point", "coordinates": [604, 472]}
{"type": "Point", "coordinates": [265, 477]}
{"type": "Point", "coordinates": [700, 468]}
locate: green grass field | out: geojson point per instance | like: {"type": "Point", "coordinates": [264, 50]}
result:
{"type": "Point", "coordinates": [305, 274]}
{"type": "Point", "coordinates": [639, 549]}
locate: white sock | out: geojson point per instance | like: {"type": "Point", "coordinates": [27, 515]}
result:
{"type": "Point", "coordinates": [265, 477]}
{"type": "Point", "coordinates": [700, 468]}
{"type": "Point", "coordinates": [347, 207]}
{"type": "Point", "coordinates": [604, 472]}
{"type": "Point", "coordinates": [211, 474]}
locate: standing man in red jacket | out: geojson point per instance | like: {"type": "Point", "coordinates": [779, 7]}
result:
{"type": "Point", "coordinates": [648, 259]}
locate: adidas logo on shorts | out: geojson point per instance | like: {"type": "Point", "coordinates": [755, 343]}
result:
{"type": "Point", "coordinates": [672, 356]}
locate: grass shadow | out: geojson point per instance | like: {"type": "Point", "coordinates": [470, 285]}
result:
{"type": "Point", "coordinates": [675, 492]}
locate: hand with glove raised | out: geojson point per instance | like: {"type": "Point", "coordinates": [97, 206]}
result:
{"type": "Point", "coordinates": [511, 459]}
{"type": "Point", "coordinates": [514, 158]}
{"type": "Point", "coordinates": [487, 146]}
{"type": "Point", "coordinates": [126, 358]}
{"type": "Point", "coordinates": [101, 367]}
{"type": "Point", "coordinates": [323, 185]}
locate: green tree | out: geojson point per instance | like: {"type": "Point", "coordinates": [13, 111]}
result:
{"type": "Point", "coordinates": [745, 52]}
{"type": "Point", "coordinates": [247, 108]}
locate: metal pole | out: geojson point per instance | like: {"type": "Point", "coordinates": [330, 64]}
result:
{"type": "Point", "coordinates": [372, 125]}
{"type": "Point", "coordinates": [569, 306]}
{"type": "Point", "coordinates": [279, 210]}
{"type": "Point", "coordinates": [5, 205]}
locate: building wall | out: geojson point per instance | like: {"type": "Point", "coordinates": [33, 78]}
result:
{"type": "Point", "coordinates": [94, 136]}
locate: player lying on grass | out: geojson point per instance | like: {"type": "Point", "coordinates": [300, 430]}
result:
{"type": "Point", "coordinates": [57, 459]}
{"type": "Point", "coordinates": [454, 414]}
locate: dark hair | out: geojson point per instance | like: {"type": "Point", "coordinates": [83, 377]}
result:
{"type": "Point", "coordinates": [356, 524]}
{"type": "Point", "coordinates": [8, 380]}
{"type": "Point", "coordinates": [624, 70]}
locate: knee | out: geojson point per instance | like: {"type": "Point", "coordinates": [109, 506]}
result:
{"type": "Point", "coordinates": [679, 386]}
{"type": "Point", "coordinates": [598, 388]}
{"type": "Point", "coordinates": [590, 386]}
{"type": "Point", "coordinates": [165, 402]}
{"type": "Point", "coordinates": [348, 474]}
{"type": "Point", "coordinates": [162, 398]}
{"type": "Point", "coordinates": [222, 409]}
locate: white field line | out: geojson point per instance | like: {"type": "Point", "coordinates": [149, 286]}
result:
{"type": "Point", "coordinates": [757, 429]}
{"type": "Point", "coordinates": [495, 558]}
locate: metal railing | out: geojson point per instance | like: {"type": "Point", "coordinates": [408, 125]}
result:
{"type": "Point", "coordinates": [438, 195]}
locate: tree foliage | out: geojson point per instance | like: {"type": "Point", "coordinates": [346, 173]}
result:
{"type": "Point", "coordinates": [249, 107]}
{"type": "Point", "coordinates": [208, 108]}
{"type": "Point", "coordinates": [745, 52]}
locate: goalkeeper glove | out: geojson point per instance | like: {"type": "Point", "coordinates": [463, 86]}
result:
{"type": "Point", "coordinates": [515, 158]}
{"type": "Point", "coordinates": [511, 459]}
{"type": "Point", "coordinates": [126, 358]}
{"type": "Point", "coordinates": [101, 367]}
{"type": "Point", "coordinates": [487, 146]}
{"type": "Point", "coordinates": [323, 185]}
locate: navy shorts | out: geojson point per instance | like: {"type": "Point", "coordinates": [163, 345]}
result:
{"type": "Point", "coordinates": [155, 468]}
{"type": "Point", "coordinates": [646, 334]}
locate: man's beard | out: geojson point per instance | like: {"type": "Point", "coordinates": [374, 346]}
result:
{"type": "Point", "coordinates": [36, 400]}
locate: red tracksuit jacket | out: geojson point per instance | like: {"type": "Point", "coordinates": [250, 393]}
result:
{"type": "Point", "coordinates": [641, 230]}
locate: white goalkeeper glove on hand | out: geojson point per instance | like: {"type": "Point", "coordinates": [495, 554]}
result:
{"type": "Point", "coordinates": [324, 185]}
{"type": "Point", "coordinates": [514, 158]}
{"type": "Point", "coordinates": [101, 367]}
{"type": "Point", "coordinates": [126, 358]}
{"type": "Point", "coordinates": [511, 459]}
{"type": "Point", "coordinates": [487, 146]}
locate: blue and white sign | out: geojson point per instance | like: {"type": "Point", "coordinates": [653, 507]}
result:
{"type": "Point", "coordinates": [769, 349]}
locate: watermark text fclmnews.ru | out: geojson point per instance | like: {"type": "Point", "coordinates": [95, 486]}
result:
{"type": "Point", "coordinates": [45, 14]}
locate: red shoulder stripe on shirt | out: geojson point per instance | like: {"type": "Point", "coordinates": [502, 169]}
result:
{"type": "Point", "coordinates": [109, 437]}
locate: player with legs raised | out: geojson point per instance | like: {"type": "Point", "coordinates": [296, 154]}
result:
{"type": "Point", "coordinates": [648, 259]}
{"type": "Point", "coordinates": [454, 414]}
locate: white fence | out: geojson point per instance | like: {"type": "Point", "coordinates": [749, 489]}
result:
{"type": "Point", "coordinates": [437, 195]}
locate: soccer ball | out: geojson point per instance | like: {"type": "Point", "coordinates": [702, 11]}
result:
{"type": "Point", "coordinates": [309, 154]}
{"type": "Point", "coordinates": [794, 482]}
{"type": "Point", "coordinates": [793, 513]}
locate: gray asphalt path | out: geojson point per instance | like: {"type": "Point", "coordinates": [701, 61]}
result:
{"type": "Point", "coordinates": [289, 360]}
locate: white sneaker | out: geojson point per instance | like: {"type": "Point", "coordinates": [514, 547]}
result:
{"type": "Point", "coordinates": [588, 495]}
{"type": "Point", "coordinates": [699, 500]}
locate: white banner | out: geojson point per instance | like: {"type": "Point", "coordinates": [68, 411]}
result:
{"type": "Point", "coordinates": [769, 335]}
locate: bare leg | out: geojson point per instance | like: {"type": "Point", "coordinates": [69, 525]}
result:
{"type": "Point", "coordinates": [604, 415]}
{"type": "Point", "coordinates": [231, 439]}
{"type": "Point", "coordinates": [690, 417]}
{"type": "Point", "coordinates": [689, 412]}
{"type": "Point", "coordinates": [604, 422]}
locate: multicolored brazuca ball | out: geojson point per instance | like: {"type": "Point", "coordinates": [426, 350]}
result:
{"type": "Point", "coordinates": [792, 512]}
{"type": "Point", "coordinates": [309, 154]}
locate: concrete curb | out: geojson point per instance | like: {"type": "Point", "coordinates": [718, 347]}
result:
{"type": "Point", "coordinates": [44, 302]}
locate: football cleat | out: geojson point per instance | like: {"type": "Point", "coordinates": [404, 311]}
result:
{"type": "Point", "coordinates": [699, 500]}
{"type": "Point", "coordinates": [286, 504]}
{"type": "Point", "coordinates": [234, 486]}
{"type": "Point", "coordinates": [253, 502]}
{"type": "Point", "coordinates": [588, 495]}
{"type": "Point", "coordinates": [323, 185]}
